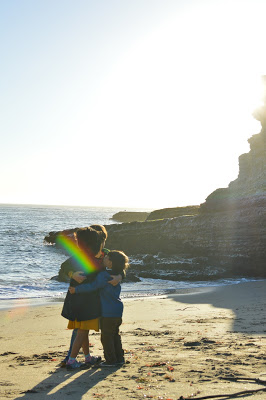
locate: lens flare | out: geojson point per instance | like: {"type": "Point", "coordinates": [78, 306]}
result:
{"type": "Point", "coordinates": [88, 263]}
{"type": "Point", "coordinates": [19, 307]}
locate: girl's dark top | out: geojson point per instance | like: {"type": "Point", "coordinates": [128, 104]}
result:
{"type": "Point", "coordinates": [83, 306]}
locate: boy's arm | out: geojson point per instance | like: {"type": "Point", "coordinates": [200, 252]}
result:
{"type": "Point", "coordinates": [100, 281]}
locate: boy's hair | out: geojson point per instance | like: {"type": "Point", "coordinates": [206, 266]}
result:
{"type": "Point", "coordinates": [102, 231]}
{"type": "Point", "coordinates": [89, 239]}
{"type": "Point", "coordinates": [120, 262]}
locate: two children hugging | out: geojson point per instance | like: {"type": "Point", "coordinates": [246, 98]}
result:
{"type": "Point", "coordinates": [115, 263]}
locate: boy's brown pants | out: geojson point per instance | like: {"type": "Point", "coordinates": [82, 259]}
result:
{"type": "Point", "coordinates": [111, 340]}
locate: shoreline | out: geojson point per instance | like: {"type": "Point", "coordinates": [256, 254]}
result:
{"type": "Point", "coordinates": [6, 304]}
{"type": "Point", "coordinates": [175, 345]}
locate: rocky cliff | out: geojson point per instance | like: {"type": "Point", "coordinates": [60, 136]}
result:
{"type": "Point", "coordinates": [226, 239]}
{"type": "Point", "coordinates": [225, 236]}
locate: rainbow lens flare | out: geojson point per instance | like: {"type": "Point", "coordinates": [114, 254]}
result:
{"type": "Point", "coordinates": [19, 307]}
{"type": "Point", "coordinates": [87, 263]}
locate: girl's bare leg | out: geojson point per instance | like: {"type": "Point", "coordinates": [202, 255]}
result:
{"type": "Point", "coordinates": [78, 343]}
{"type": "Point", "coordinates": [85, 345]}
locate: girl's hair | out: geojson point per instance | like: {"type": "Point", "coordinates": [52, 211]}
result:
{"type": "Point", "coordinates": [120, 262]}
{"type": "Point", "coordinates": [101, 229]}
{"type": "Point", "coordinates": [89, 239]}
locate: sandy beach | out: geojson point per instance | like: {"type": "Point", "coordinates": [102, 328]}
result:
{"type": "Point", "coordinates": [191, 344]}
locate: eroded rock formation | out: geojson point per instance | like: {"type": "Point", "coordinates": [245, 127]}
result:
{"type": "Point", "coordinates": [226, 237]}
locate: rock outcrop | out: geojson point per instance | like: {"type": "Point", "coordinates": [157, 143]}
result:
{"type": "Point", "coordinates": [130, 216]}
{"type": "Point", "coordinates": [51, 237]}
{"type": "Point", "coordinates": [133, 216]}
{"type": "Point", "coordinates": [224, 237]}
{"type": "Point", "coordinates": [173, 212]}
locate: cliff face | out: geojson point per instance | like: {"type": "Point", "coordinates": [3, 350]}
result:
{"type": "Point", "coordinates": [250, 186]}
{"type": "Point", "coordinates": [223, 243]}
{"type": "Point", "coordinates": [226, 238]}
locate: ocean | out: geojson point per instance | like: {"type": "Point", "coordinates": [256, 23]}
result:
{"type": "Point", "coordinates": [27, 263]}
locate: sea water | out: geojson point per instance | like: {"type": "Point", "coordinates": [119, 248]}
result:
{"type": "Point", "coordinates": [27, 263]}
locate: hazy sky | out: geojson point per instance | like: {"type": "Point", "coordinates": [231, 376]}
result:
{"type": "Point", "coordinates": [128, 103]}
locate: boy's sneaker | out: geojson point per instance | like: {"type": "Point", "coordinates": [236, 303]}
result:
{"type": "Point", "coordinates": [91, 362]}
{"type": "Point", "coordinates": [105, 364]}
{"type": "Point", "coordinates": [121, 362]}
{"type": "Point", "coordinates": [73, 365]}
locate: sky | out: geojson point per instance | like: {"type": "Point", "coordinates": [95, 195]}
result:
{"type": "Point", "coordinates": [126, 103]}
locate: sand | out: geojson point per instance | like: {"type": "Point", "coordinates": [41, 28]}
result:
{"type": "Point", "coordinates": [189, 345]}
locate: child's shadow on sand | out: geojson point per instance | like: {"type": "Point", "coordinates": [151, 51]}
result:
{"type": "Point", "coordinates": [248, 305]}
{"type": "Point", "coordinates": [63, 384]}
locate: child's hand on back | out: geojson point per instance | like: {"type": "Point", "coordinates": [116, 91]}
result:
{"type": "Point", "coordinates": [116, 280]}
{"type": "Point", "coordinates": [72, 289]}
{"type": "Point", "coordinates": [78, 276]}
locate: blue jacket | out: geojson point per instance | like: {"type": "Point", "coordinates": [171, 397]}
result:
{"type": "Point", "coordinates": [111, 303]}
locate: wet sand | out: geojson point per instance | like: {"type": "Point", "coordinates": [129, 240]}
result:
{"type": "Point", "coordinates": [198, 344]}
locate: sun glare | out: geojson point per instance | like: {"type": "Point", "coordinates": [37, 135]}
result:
{"type": "Point", "coordinates": [173, 113]}
{"type": "Point", "coordinates": [181, 78]}
{"type": "Point", "coordinates": [178, 103]}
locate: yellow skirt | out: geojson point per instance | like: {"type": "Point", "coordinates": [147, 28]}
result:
{"type": "Point", "coordinates": [85, 325]}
